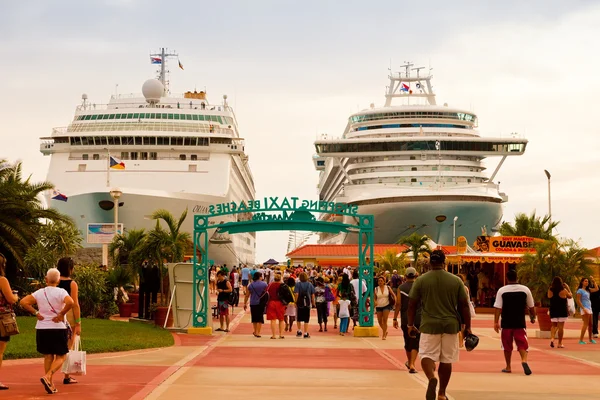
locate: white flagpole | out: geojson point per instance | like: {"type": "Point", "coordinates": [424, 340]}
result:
{"type": "Point", "coordinates": [107, 168]}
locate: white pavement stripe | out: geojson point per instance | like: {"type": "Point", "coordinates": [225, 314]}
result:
{"type": "Point", "coordinates": [163, 386]}
{"type": "Point", "coordinates": [416, 377]}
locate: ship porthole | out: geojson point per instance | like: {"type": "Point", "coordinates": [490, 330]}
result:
{"type": "Point", "coordinates": [440, 218]}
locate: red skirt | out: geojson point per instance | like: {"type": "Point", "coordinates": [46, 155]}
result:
{"type": "Point", "coordinates": [275, 310]}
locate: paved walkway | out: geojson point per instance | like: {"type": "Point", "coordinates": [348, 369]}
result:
{"type": "Point", "coordinates": [237, 365]}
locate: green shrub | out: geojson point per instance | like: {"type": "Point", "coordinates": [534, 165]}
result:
{"type": "Point", "coordinates": [96, 297]}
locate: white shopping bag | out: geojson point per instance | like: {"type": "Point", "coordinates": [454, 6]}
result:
{"type": "Point", "coordinates": [571, 306]}
{"type": "Point", "coordinates": [75, 364]}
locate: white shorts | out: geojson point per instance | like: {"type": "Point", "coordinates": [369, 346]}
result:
{"type": "Point", "coordinates": [565, 319]}
{"type": "Point", "coordinates": [290, 311]}
{"type": "Point", "coordinates": [586, 311]}
{"type": "Point", "coordinates": [439, 348]}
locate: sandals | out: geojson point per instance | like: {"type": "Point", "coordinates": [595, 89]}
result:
{"type": "Point", "coordinates": [526, 368]}
{"type": "Point", "coordinates": [507, 371]}
{"type": "Point", "coordinates": [255, 335]}
{"type": "Point", "coordinates": [69, 380]}
{"type": "Point", "coordinates": [219, 330]}
{"type": "Point", "coordinates": [431, 389]}
{"type": "Point", "coordinates": [47, 385]}
{"type": "Point", "coordinates": [281, 337]}
{"type": "Point", "coordinates": [273, 337]}
{"type": "Point", "coordinates": [3, 387]}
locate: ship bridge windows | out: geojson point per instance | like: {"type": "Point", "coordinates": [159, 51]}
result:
{"type": "Point", "coordinates": [419, 145]}
{"type": "Point", "coordinates": [221, 119]}
{"type": "Point", "coordinates": [414, 114]}
{"type": "Point", "coordinates": [388, 126]}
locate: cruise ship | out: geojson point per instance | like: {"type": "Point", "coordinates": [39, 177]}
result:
{"type": "Point", "coordinates": [416, 166]}
{"type": "Point", "coordinates": [174, 152]}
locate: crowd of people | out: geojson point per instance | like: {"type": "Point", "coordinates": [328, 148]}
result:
{"type": "Point", "coordinates": [435, 311]}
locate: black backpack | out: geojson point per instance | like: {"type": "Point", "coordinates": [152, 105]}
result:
{"type": "Point", "coordinates": [285, 294]}
{"type": "Point", "coordinates": [303, 299]}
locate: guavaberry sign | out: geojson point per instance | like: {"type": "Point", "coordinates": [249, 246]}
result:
{"type": "Point", "coordinates": [281, 204]}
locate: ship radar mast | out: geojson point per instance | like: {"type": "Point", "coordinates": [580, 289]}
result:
{"type": "Point", "coordinates": [401, 85]}
{"type": "Point", "coordinates": [161, 58]}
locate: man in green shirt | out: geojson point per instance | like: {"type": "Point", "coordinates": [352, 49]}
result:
{"type": "Point", "coordinates": [444, 306]}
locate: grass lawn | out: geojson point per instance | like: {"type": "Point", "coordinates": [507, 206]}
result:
{"type": "Point", "coordinates": [97, 336]}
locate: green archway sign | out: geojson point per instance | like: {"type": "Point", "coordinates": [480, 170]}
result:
{"type": "Point", "coordinates": [281, 214]}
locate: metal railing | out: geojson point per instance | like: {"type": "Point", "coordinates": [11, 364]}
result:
{"type": "Point", "coordinates": [184, 104]}
{"type": "Point", "coordinates": [143, 127]}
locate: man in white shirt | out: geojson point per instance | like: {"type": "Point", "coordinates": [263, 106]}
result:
{"type": "Point", "coordinates": [354, 283]}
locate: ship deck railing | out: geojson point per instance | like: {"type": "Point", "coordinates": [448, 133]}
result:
{"type": "Point", "coordinates": [143, 127]}
{"type": "Point", "coordinates": [183, 105]}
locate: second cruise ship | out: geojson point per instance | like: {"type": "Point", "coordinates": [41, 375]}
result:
{"type": "Point", "coordinates": [416, 166]}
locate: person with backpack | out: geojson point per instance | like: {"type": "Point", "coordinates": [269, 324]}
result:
{"type": "Point", "coordinates": [321, 300]}
{"type": "Point", "coordinates": [224, 291]}
{"type": "Point", "coordinates": [258, 296]}
{"type": "Point", "coordinates": [275, 307]}
{"type": "Point", "coordinates": [305, 298]}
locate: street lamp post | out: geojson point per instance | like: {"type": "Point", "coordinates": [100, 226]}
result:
{"type": "Point", "coordinates": [115, 194]}
{"type": "Point", "coordinates": [549, 200]}
{"type": "Point", "coordinates": [454, 230]}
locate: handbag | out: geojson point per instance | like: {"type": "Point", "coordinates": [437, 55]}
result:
{"type": "Point", "coordinates": [391, 297]}
{"type": "Point", "coordinates": [76, 362]}
{"type": "Point", "coordinates": [8, 323]}
{"type": "Point", "coordinates": [329, 294]}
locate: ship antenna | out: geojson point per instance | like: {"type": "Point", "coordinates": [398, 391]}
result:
{"type": "Point", "coordinates": [164, 55]}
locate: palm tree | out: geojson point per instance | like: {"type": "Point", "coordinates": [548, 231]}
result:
{"type": "Point", "coordinates": [166, 244]}
{"type": "Point", "coordinates": [390, 260]}
{"type": "Point", "coordinates": [22, 213]}
{"type": "Point", "coordinates": [418, 245]}
{"type": "Point", "coordinates": [564, 258]}
{"type": "Point", "coordinates": [125, 246]}
{"type": "Point", "coordinates": [530, 225]}
{"type": "Point", "coordinates": [174, 242]}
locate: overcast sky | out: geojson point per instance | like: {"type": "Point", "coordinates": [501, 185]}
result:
{"type": "Point", "coordinates": [294, 69]}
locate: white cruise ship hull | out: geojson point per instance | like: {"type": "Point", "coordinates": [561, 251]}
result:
{"type": "Point", "coordinates": [138, 207]}
{"type": "Point", "coordinates": [395, 220]}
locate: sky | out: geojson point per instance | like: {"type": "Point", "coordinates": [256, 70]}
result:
{"type": "Point", "coordinates": [295, 69]}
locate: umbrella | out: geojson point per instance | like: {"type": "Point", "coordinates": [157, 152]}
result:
{"type": "Point", "coordinates": [270, 261]}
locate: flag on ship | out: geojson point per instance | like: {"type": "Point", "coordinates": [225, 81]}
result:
{"type": "Point", "coordinates": [57, 195]}
{"type": "Point", "coordinates": [404, 87]}
{"type": "Point", "coordinates": [155, 60]}
{"type": "Point", "coordinates": [115, 163]}
{"type": "Point", "coordinates": [180, 64]}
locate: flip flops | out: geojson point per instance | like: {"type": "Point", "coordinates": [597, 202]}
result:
{"type": "Point", "coordinates": [431, 389]}
{"type": "Point", "coordinates": [69, 381]}
{"type": "Point", "coordinates": [3, 387]}
{"type": "Point", "coordinates": [526, 368]}
{"type": "Point", "coordinates": [507, 371]}
{"type": "Point", "coordinates": [47, 385]}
